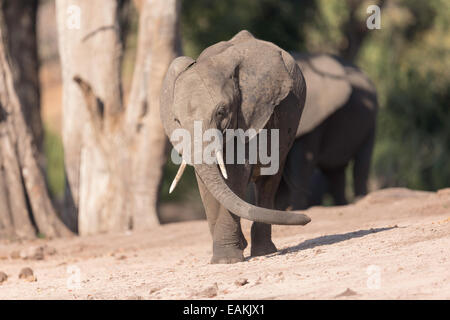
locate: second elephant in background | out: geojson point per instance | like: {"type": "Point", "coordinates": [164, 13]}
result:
{"type": "Point", "coordinates": [336, 127]}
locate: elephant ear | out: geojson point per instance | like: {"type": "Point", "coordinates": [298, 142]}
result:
{"type": "Point", "coordinates": [177, 66]}
{"type": "Point", "coordinates": [328, 89]}
{"type": "Point", "coordinates": [264, 80]}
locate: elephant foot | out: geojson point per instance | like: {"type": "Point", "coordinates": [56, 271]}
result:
{"type": "Point", "coordinates": [227, 255]}
{"type": "Point", "coordinates": [261, 240]}
{"type": "Point", "coordinates": [262, 249]}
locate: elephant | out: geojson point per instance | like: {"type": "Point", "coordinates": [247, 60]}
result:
{"type": "Point", "coordinates": [336, 127]}
{"type": "Point", "coordinates": [244, 83]}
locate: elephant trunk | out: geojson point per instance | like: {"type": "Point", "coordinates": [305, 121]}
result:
{"type": "Point", "coordinates": [212, 179]}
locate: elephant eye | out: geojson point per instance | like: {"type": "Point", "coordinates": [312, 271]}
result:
{"type": "Point", "coordinates": [221, 117]}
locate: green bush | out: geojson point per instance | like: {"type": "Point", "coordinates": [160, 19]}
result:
{"type": "Point", "coordinates": [53, 149]}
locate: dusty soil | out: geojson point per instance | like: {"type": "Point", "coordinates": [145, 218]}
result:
{"type": "Point", "coordinates": [393, 244]}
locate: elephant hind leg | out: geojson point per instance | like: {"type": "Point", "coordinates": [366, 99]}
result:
{"type": "Point", "coordinates": [299, 165]}
{"type": "Point", "coordinates": [318, 188]}
{"type": "Point", "coordinates": [336, 180]}
{"type": "Point", "coordinates": [361, 167]}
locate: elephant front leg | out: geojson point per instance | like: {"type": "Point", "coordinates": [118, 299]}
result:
{"type": "Point", "coordinates": [228, 240]}
{"type": "Point", "coordinates": [261, 233]}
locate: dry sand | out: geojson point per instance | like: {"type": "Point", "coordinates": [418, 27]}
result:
{"type": "Point", "coordinates": [393, 244]}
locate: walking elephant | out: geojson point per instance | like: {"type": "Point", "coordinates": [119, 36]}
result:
{"type": "Point", "coordinates": [247, 84]}
{"type": "Point", "coordinates": [337, 126]}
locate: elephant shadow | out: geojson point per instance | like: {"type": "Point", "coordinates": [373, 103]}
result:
{"type": "Point", "coordinates": [329, 239]}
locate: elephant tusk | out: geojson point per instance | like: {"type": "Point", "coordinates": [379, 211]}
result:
{"type": "Point", "coordinates": [178, 176]}
{"type": "Point", "coordinates": [219, 157]}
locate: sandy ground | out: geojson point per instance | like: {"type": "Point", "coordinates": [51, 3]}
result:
{"type": "Point", "coordinates": [393, 244]}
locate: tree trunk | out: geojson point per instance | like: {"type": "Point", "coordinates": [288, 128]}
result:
{"type": "Point", "coordinates": [25, 206]}
{"type": "Point", "coordinates": [158, 45]}
{"type": "Point", "coordinates": [20, 21]}
{"type": "Point", "coordinates": [93, 52]}
{"type": "Point", "coordinates": [113, 156]}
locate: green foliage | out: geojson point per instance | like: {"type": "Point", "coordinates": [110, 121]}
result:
{"type": "Point", "coordinates": [323, 29]}
{"type": "Point", "coordinates": [205, 22]}
{"type": "Point", "coordinates": [186, 188]}
{"type": "Point", "coordinates": [409, 62]}
{"type": "Point", "coordinates": [41, 236]}
{"type": "Point", "coordinates": [53, 149]}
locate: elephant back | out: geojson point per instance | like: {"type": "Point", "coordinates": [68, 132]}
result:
{"type": "Point", "coordinates": [359, 80]}
{"type": "Point", "coordinates": [327, 89]}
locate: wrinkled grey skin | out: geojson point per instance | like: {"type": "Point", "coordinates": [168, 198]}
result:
{"type": "Point", "coordinates": [242, 83]}
{"type": "Point", "coordinates": [318, 159]}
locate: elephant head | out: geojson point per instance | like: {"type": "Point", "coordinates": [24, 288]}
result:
{"type": "Point", "coordinates": [233, 84]}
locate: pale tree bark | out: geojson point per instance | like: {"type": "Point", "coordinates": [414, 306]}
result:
{"type": "Point", "coordinates": [90, 48]}
{"type": "Point", "coordinates": [158, 45]}
{"type": "Point", "coordinates": [114, 155]}
{"type": "Point", "coordinates": [25, 206]}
